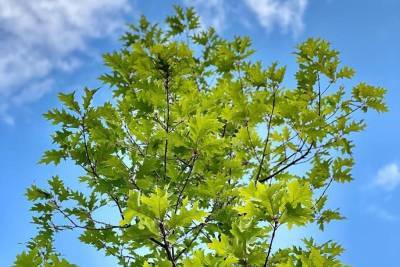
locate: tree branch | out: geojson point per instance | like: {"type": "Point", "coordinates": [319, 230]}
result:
{"type": "Point", "coordinates": [276, 225]}
{"type": "Point", "coordinates": [92, 165]}
{"type": "Point", "coordinates": [293, 162]}
{"type": "Point", "coordinates": [166, 119]}
{"type": "Point", "coordinates": [267, 138]}
{"type": "Point", "coordinates": [180, 194]}
{"type": "Point", "coordinates": [166, 245]}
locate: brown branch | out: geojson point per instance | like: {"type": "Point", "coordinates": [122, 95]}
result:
{"type": "Point", "coordinates": [252, 144]}
{"type": "Point", "coordinates": [166, 120]}
{"type": "Point", "coordinates": [200, 228]}
{"type": "Point", "coordinates": [299, 149]}
{"type": "Point", "coordinates": [166, 245]}
{"type": "Point", "coordinates": [319, 96]}
{"type": "Point", "coordinates": [267, 138]}
{"type": "Point", "coordinates": [276, 225]}
{"type": "Point", "coordinates": [293, 162]}
{"type": "Point", "coordinates": [309, 148]}
{"type": "Point", "coordinates": [86, 227]}
{"type": "Point", "coordinates": [156, 242]}
{"type": "Point", "coordinates": [325, 190]}
{"type": "Point", "coordinates": [92, 165]}
{"type": "Point", "coordinates": [180, 194]}
{"type": "Point", "coordinates": [132, 141]}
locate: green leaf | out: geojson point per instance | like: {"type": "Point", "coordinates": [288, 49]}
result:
{"type": "Point", "coordinates": [187, 214]}
{"type": "Point", "coordinates": [157, 202]}
{"type": "Point", "coordinates": [88, 96]}
{"type": "Point", "coordinates": [52, 156]}
{"type": "Point", "coordinates": [221, 247]}
{"type": "Point", "coordinates": [327, 216]}
{"type": "Point", "coordinates": [69, 101]}
{"type": "Point", "coordinates": [34, 193]}
{"type": "Point", "coordinates": [299, 193]}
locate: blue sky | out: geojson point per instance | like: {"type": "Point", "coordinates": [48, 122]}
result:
{"type": "Point", "coordinates": [49, 46]}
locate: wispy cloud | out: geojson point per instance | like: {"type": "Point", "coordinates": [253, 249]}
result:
{"type": "Point", "coordinates": [388, 177]}
{"type": "Point", "coordinates": [43, 36]}
{"type": "Point", "coordinates": [382, 213]}
{"type": "Point", "coordinates": [286, 14]}
{"type": "Point", "coordinates": [212, 12]}
{"type": "Point", "coordinates": [270, 14]}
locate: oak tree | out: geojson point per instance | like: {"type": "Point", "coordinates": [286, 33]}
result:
{"type": "Point", "coordinates": [202, 154]}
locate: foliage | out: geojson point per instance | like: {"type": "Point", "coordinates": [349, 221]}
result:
{"type": "Point", "coordinates": [202, 153]}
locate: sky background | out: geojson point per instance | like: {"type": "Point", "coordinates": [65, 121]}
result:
{"type": "Point", "coordinates": [52, 46]}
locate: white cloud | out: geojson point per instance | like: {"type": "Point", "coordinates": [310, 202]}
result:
{"type": "Point", "coordinates": [382, 213]}
{"type": "Point", "coordinates": [211, 12]}
{"type": "Point", "coordinates": [286, 14]}
{"type": "Point", "coordinates": [43, 36]}
{"type": "Point", "coordinates": [388, 177]}
{"type": "Point", "coordinates": [29, 94]}
{"type": "Point", "coordinates": [32, 93]}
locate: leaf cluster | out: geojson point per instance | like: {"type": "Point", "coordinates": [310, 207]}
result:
{"type": "Point", "coordinates": [202, 154]}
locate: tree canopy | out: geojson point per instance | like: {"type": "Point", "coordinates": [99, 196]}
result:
{"type": "Point", "coordinates": [202, 154]}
